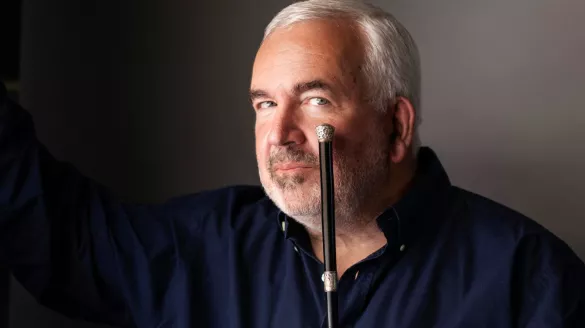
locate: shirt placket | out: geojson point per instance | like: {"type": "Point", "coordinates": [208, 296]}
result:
{"type": "Point", "coordinates": [353, 289]}
{"type": "Point", "coordinates": [358, 287]}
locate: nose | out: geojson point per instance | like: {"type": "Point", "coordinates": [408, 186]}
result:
{"type": "Point", "coordinates": [284, 127]}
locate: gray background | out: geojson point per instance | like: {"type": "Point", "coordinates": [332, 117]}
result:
{"type": "Point", "coordinates": [134, 93]}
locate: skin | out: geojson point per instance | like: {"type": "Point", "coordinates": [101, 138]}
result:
{"type": "Point", "coordinates": [308, 74]}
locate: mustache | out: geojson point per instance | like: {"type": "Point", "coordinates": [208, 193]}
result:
{"type": "Point", "coordinates": [284, 155]}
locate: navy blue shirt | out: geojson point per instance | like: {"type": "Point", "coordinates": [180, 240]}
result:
{"type": "Point", "coordinates": [230, 258]}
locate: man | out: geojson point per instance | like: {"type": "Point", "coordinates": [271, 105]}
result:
{"type": "Point", "coordinates": [412, 250]}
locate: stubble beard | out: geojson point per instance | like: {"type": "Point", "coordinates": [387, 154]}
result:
{"type": "Point", "coordinates": [356, 179]}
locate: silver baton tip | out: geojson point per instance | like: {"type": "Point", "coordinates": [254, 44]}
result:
{"type": "Point", "coordinates": [325, 132]}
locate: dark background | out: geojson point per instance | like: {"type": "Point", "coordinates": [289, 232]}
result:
{"type": "Point", "coordinates": [150, 98]}
{"type": "Point", "coordinates": [9, 74]}
{"type": "Point", "coordinates": [10, 39]}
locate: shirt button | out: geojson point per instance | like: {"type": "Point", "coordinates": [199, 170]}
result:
{"type": "Point", "coordinates": [296, 249]}
{"type": "Point", "coordinates": [356, 275]}
{"type": "Point", "coordinates": [402, 248]}
{"type": "Point", "coordinates": [323, 277]}
{"type": "Point", "coordinates": [283, 224]}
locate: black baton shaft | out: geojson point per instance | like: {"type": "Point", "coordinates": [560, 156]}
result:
{"type": "Point", "coordinates": [328, 222]}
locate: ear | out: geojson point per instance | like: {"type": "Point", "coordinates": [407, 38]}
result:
{"type": "Point", "coordinates": [402, 118]}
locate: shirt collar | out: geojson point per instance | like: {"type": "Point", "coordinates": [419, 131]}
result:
{"type": "Point", "coordinates": [403, 222]}
{"type": "Point", "coordinates": [422, 205]}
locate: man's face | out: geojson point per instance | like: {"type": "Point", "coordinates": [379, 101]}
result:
{"type": "Point", "coordinates": [304, 76]}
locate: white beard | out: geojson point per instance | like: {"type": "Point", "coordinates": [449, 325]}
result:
{"type": "Point", "coordinates": [356, 179]}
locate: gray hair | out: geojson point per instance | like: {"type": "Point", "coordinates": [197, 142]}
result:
{"type": "Point", "coordinates": [392, 64]}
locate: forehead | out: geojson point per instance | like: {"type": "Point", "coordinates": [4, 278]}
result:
{"type": "Point", "coordinates": [317, 49]}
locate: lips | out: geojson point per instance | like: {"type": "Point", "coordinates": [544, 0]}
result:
{"type": "Point", "coordinates": [291, 166]}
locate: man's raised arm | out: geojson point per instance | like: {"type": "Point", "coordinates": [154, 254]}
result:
{"type": "Point", "coordinates": [70, 244]}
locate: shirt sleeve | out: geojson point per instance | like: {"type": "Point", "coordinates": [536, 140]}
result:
{"type": "Point", "coordinates": [68, 241]}
{"type": "Point", "coordinates": [549, 283]}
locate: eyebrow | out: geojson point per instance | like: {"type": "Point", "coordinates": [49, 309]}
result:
{"type": "Point", "coordinates": [297, 89]}
{"type": "Point", "coordinates": [255, 94]}
{"type": "Point", "coordinates": [311, 85]}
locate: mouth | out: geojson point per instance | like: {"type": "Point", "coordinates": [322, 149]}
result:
{"type": "Point", "coordinates": [289, 167]}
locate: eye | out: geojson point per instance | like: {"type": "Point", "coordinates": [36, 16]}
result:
{"type": "Point", "coordinates": [318, 101]}
{"type": "Point", "coordinates": [266, 104]}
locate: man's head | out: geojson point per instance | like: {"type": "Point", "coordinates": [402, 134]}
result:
{"type": "Point", "coordinates": [343, 63]}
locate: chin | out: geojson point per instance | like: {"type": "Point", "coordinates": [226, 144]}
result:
{"type": "Point", "coordinates": [303, 200]}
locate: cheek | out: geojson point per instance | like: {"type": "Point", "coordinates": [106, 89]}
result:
{"type": "Point", "coordinates": [346, 144]}
{"type": "Point", "coordinates": [262, 149]}
{"type": "Point", "coordinates": [353, 148]}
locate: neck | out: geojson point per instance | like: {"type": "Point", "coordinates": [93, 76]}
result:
{"type": "Point", "coordinates": [356, 241]}
{"type": "Point", "coordinates": [351, 247]}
